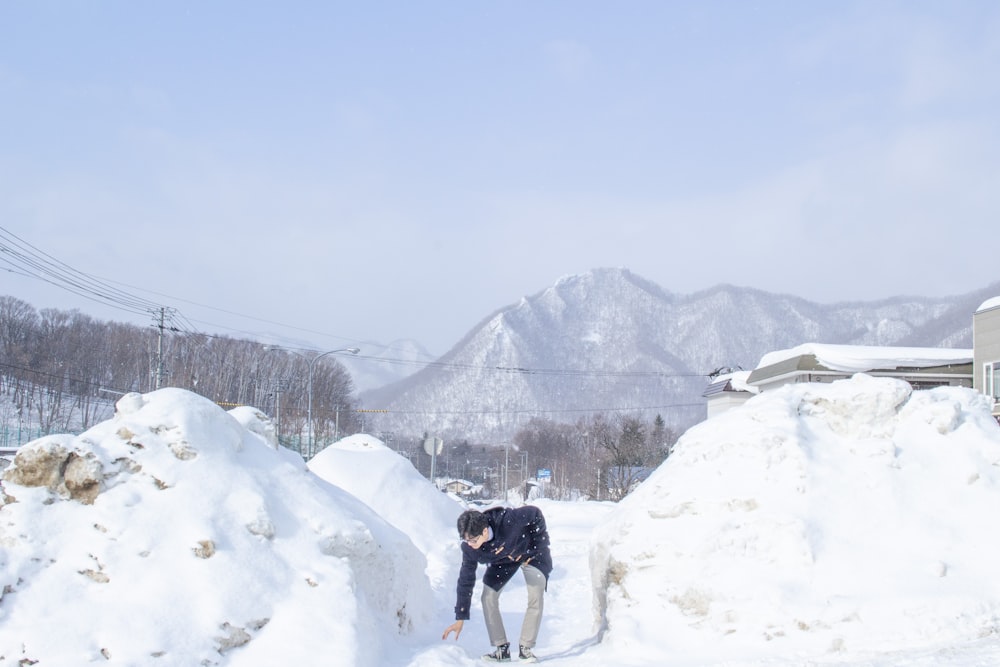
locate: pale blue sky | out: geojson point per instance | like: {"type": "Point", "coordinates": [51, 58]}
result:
{"type": "Point", "coordinates": [400, 170]}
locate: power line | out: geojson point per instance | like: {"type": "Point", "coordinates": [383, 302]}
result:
{"type": "Point", "coordinates": [59, 376]}
{"type": "Point", "coordinates": [519, 370]}
{"type": "Point", "coordinates": [242, 315]}
{"type": "Point", "coordinates": [30, 261]}
{"type": "Point", "coordinates": [534, 411]}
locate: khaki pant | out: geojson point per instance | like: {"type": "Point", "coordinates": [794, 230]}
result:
{"type": "Point", "coordinates": [535, 581]}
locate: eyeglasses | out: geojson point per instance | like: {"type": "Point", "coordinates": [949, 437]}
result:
{"type": "Point", "coordinates": [472, 539]}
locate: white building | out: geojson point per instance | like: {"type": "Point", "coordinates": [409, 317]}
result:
{"type": "Point", "coordinates": [728, 391]}
{"type": "Point", "coordinates": [922, 367]}
{"type": "Point", "coordinates": [986, 351]}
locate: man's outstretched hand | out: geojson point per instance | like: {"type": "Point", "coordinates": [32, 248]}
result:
{"type": "Point", "coordinates": [455, 627]}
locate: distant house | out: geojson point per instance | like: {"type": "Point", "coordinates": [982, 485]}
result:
{"type": "Point", "coordinates": [728, 391]}
{"type": "Point", "coordinates": [922, 367]}
{"type": "Point", "coordinates": [458, 486]}
{"type": "Point", "coordinates": [986, 351]}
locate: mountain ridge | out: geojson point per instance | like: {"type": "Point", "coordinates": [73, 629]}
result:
{"type": "Point", "coordinates": [611, 340]}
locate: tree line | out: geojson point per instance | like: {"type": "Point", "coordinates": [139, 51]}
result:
{"type": "Point", "coordinates": [605, 456]}
{"type": "Point", "coordinates": [598, 456]}
{"type": "Point", "coordinates": [62, 371]}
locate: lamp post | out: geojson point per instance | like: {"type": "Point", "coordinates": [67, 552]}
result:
{"type": "Point", "coordinates": [309, 390]}
{"type": "Point", "coordinates": [309, 386]}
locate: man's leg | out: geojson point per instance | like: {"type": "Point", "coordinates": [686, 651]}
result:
{"type": "Point", "coordinates": [491, 614]}
{"type": "Point", "coordinates": [535, 581]}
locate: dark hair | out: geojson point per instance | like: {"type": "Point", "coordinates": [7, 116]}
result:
{"type": "Point", "coordinates": [471, 523]}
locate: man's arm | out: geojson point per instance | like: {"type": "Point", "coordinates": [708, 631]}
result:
{"type": "Point", "coordinates": [463, 594]}
{"type": "Point", "coordinates": [466, 583]}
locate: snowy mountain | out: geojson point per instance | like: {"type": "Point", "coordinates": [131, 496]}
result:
{"type": "Point", "coordinates": [609, 340]}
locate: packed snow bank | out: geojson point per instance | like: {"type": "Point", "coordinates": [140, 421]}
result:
{"type": "Point", "coordinates": [388, 483]}
{"type": "Point", "coordinates": [174, 534]}
{"type": "Point", "coordinates": [840, 518]}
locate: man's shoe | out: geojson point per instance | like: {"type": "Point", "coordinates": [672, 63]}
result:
{"type": "Point", "coordinates": [525, 655]}
{"type": "Point", "coordinates": [500, 654]}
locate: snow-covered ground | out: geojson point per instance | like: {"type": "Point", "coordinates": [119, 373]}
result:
{"type": "Point", "coordinates": [843, 524]}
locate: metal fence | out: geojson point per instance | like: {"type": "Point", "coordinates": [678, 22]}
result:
{"type": "Point", "coordinates": [13, 436]}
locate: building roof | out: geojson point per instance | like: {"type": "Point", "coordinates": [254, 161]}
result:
{"type": "Point", "coordinates": [989, 304]}
{"type": "Point", "coordinates": [730, 382]}
{"type": "Point", "coordinates": [861, 358]}
{"type": "Point", "coordinates": [823, 359]}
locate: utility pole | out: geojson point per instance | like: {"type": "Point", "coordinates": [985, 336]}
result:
{"type": "Point", "coordinates": [278, 388]}
{"type": "Point", "coordinates": [160, 318]}
{"type": "Point", "coordinates": [506, 467]}
{"type": "Point", "coordinates": [159, 349]}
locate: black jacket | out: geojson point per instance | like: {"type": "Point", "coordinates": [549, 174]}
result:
{"type": "Point", "coordinates": [519, 537]}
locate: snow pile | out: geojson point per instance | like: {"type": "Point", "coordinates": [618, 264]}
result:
{"type": "Point", "coordinates": [848, 523]}
{"type": "Point", "coordinates": [173, 534]}
{"type": "Point", "coordinates": [363, 466]}
{"type": "Point", "coordinates": [816, 519]}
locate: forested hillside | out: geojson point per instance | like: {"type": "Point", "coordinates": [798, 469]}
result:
{"type": "Point", "coordinates": [62, 371]}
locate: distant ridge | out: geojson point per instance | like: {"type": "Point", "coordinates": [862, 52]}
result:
{"type": "Point", "coordinates": [610, 340]}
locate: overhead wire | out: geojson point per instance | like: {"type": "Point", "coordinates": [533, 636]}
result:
{"type": "Point", "coordinates": [31, 261]}
{"type": "Point", "coordinates": [27, 260]}
{"type": "Point", "coordinates": [533, 411]}
{"type": "Point", "coordinates": [518, 370]}
{"type": "Point", "coordinates": [36, 263]}
{"type": "Point", "coordinates": [411, 362]}
{"type": "Point", "coordinates": [242, 315]}
{"type": "Point", "coordinates": [60, 376]}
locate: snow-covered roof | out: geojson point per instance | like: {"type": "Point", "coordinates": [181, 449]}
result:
{"type": "Point", "coordinates": [860, 358]}
{"type": "Point", "coordinates": [735, 381]}
{"type": "Point", "coordinates": [989, 304]}
{"type": "Point", "coordinates": [738, 381]}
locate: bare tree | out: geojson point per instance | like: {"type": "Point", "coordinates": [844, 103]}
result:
{"type": "Point", "coordinates": [66, 369]}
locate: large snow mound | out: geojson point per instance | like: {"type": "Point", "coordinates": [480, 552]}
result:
{"type": "Point", "coordinates": [184, 524]}
{"type": "Point", "coordinates": [388, 483]}
{"type": "Point", "coordinates": [815, 519]}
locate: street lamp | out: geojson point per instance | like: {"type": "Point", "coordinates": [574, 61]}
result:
{"type": "Point", "coordinates": [309, 390]}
